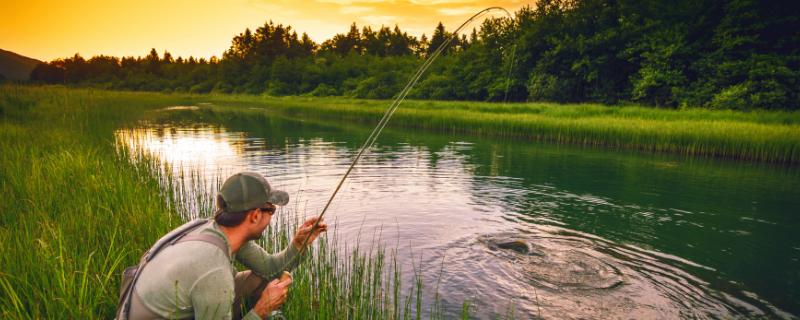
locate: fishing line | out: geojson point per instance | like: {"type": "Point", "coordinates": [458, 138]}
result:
{"type": "Point", "coordinates": [388, 114]}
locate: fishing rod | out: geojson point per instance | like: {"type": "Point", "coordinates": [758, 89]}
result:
{"type": "Point", "coordinates": [388, 114]}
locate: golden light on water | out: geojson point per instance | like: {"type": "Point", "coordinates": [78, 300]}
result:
{"type": "Point", "coordinates": [186, 150]}
{"type": "Point", "coordinates": [48, 29]}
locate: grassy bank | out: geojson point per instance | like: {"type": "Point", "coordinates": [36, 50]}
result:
{"type": "Point", "coordinates": [76, 211]}
{"type": "Point", "coordinates": [759, 135]}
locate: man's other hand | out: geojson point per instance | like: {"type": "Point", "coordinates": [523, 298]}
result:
{"type": "Point", "coordinates": [273, 297]}
{"type": "Point", "coordinates": [303, 232]}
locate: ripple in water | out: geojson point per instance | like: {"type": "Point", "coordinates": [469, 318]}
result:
{"type": "Point", "coordinates": [564, 274]}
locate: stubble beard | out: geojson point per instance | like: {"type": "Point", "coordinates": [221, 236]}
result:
{"type": "Point", "coordinates": [256, 236]}
{"type": "Point", "coordinates": [259, 234]}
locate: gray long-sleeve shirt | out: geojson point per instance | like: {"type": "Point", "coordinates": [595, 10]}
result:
{"type": "Point", "coordinates": [194, 279]}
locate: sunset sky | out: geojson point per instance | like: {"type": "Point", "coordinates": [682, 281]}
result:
{"type": "Point", "coordinates": [55, 29]}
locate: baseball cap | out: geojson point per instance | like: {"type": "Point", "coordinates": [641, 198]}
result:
{"type": "Point", "coordinates": [249, 190]}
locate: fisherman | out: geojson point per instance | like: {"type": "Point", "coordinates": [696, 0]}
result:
{"type": "Point", "coordinates": [197, 279]}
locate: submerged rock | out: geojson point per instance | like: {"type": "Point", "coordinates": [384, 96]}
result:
{"type": "Point", "coordinates": [517, 245]}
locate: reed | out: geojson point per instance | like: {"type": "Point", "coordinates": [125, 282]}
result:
{"type": "Point", "coordinates": [78, 209]}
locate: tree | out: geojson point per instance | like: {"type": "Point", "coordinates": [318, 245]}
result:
{"type": "Point", "coordinates": [371, 43]}
{"type": "Point", "coordinates": [47, 73]}
{"type": "Point", "coordinates": [153, 62]}
{"type": "Point", "coordinates": [308, 46]}
{"type": "Point", "coordinates": [437, 39]}
{"type": "Point", "coordinates": [400, 44]}
{"type": "Point", "coordinates": [167, 58]}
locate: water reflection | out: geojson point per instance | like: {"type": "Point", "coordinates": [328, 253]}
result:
{"type": "Point", "coordinates": [614, 235]}
{"type": "Point", "coordinates": [187, 148]}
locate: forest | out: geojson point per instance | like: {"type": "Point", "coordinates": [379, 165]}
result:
{"type": "Point", "coordinates": [732, 54]}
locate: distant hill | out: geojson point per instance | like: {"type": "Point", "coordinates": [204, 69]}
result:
{"type": "Point", "coordinates": [16, 67]}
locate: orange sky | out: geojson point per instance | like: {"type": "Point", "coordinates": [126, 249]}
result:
{"type": "Point", "coordinates": [55, 29]}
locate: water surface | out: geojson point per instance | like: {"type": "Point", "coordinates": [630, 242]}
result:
{"type": "Point", "coordinates": [612, 234]}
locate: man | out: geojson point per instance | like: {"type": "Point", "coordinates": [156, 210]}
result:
{"type": "Point", "coordinates": [196, 279]}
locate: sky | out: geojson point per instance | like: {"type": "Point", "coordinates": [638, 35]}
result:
{"type": "Point", "coordinates": [47, 30]}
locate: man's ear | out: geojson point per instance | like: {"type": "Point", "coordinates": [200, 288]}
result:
{"type": "Point", "coordinates": [252, 216]}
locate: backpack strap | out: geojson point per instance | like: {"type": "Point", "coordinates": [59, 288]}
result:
{"type": "Point", "coordinates": [169, 239]}
{"type": "Point", "coordinates": [209, 238]}
{"type": "Point", "coordinates": [172, 237]}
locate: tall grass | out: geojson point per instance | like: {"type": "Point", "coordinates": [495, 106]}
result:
{"type": "Point", "coordinates": [77, 210]}
{"type": "Point", "coordinates": [772, 136]}
{"type": "Point", "coordinates": [74, 213]}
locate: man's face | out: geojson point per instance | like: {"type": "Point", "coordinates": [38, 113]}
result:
{"type": "Point", "coordinates": [264, 216]}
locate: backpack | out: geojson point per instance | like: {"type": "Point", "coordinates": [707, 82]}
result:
{"type": "Point", "coordinates": [131, 274]}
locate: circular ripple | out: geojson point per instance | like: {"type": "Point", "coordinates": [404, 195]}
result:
{"type": "Point", "coordinates": [571, 269]}
{"type": "Point", "coordinates": [548, 263]}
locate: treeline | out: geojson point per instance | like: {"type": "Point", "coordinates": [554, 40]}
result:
{"type": "Point", "coordinates": [734, 54]}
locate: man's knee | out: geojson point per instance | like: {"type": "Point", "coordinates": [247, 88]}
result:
{"type": "Point", "coordinates": [248, 285]}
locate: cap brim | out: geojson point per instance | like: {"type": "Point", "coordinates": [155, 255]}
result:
{"type": "Point", "coordinates": [278, 197]}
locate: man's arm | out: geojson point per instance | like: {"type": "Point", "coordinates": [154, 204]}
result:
{"type": "Point", "coordinates": [267, 265]}
{"type": "Point", "coordinates": [264, 264]}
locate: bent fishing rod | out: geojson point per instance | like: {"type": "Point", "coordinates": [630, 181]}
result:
{"type": "Point", "coordinates": [385, 119]}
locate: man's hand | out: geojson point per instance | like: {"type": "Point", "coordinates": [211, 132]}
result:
{"type": "Point", "coordinates": [303, 232]}
{"type": "Point", "coordinates": [273, 297]}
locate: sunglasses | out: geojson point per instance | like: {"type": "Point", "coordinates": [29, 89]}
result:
{"type": "Point", "coordinates": [269, 210]}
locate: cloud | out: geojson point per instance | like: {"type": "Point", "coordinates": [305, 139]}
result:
{"type": "Point", "coordinates": [354, 9]}
{"type": "Point", "coordinates": [380, 20]}
{"type": "Point", "coordinates": [459, 11]}
{"type": "Point", "coordinates": [349, 2]}
{"type": "Point", "coordinates": [278, 6]}
{"type": "Point", "coordinates": [440, 2]}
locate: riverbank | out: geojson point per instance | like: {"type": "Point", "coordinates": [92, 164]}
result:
{"type": "Point", "coordinates": [771, 136]}
{"type": "Point", "coordinates": [78, 211]}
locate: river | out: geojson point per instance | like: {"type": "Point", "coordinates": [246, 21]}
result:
{"type": "Point", "coordinates": [611, 234]}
